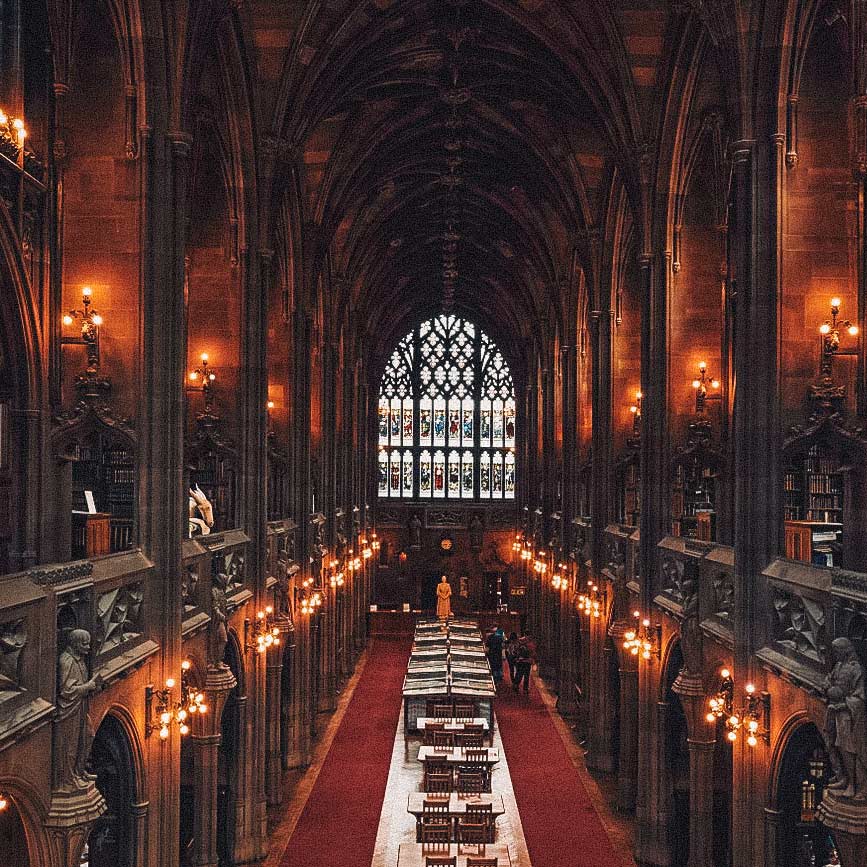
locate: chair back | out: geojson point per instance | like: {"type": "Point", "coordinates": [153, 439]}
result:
{"type": "Point", "coordinates": [438, 781]}
{"type": "Point", "coordinates": [485, 811]}
{"type": "Point", "coordinates": [465, 710]}
{"type": "Point", "coordinates": [443, 740]}
{"type": "Point", "coordinates": [476, 754]}
{"type": "Point", "coordinates": [470, 782]}
{"type": "Point", "coordinates": [440, 861]}
{"type": "Point", "coordinates": [437, 807]}
{"type": "Point", "coordinates": [443, 711]}
{"type": "Point", "coordinates": [436, 829]}
{"type": "Point", "coordinates": [464, 739]}
{"type": "Point", "coordinates": [473, 729]}
{"type": "Point", "coordinates": [481, 862]}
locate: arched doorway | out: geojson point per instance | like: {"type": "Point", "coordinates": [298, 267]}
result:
{"type": "Point", "coordinates": [112, 842]}
{"type": "Point", "coordinates": [13, 837]}
{"type": "Point", "coordinates": [677, 763]}
{"type": "Point", "coordinates": [804, 771]}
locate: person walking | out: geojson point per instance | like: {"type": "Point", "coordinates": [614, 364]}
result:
{"type": "Point", "coordinates": [494, 646]}
{"type": "Point", "coordinates": [523, 665]}
{"type": "Point", "coordinates": [512, 655]}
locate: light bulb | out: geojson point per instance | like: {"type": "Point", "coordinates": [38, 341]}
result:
{"type": "Point", "coordinates": [182, 714]}
{"type": "Point", "coordinates": [750, 688]}
{"type": "Point", "coordinates": [710, 717]}
{"type": "Point", "coordinates": [4, 119]}
{"type": "Point", "coordinates": [212, 376]}
{"type": "Point", "coordinates": [824, 328]}
{"type": "Point", "coordinates": [18, 123]}
{"type": "Point", "coordinates": [725, 673]}
{"type": "Point", "coordinates": [733, 721]}
{"type": "Point", "coordinates": [645, 622]}
{"type": "Point", "coordinates": [194, 375]}
{"type": "Point", "coordinates": [204, 357]}
{"type": "Point", "coordinates": [270, 404]}
{"type": "Point", "coordinates": [714, 383]}
{"type": "Point", "coordinates": [67, 319]}
{"type": "Point", "coordinates": [170, 683]}
{"type": "Point", "coordinates": [185, 729]}
{"type": "Point", "coordinates": [185, 664]}
{"type": "Point", "coordinates": [732, 736]}
{"type": "Point", "coordinates": [3, 803]}
{"type": "Point", "coordinates": [835, 302]}
{"type": "Point", "coordinates": [853, 330]}
{"type": "Point", "coordinates": [200, 697]}
{"type": "Point", "coordinates": [86, 291]}
{"type": "Point", "coordinates": [164, 732]}
{"type": "Point", "coordinates": [638, 395]}
{"type": "Point", "coordinates": [165, 718]}
{"type": "Point", "coordinates": [696, 384]}
{"type": "Point", "coordinates": [96, 319]}
{"type": "Point", "coordinates": [636, 614]}
{"type": "Point", "coordinates": [203, 708]}
{"type": "Point", "coordinates": [753, 726]}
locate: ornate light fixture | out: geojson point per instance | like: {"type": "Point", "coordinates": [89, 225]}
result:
{"type": "Point", "coordinates": [90, 322]}
{"type": "Point", "coordinates": [635, 409]}
{"type": "Point", "coordinates": [203, 377]}
{"type": "Point", "coordinates": [375, 544]}
{"type": "Point", "coordinates": [701, 387]}
{"type": "Point", "coordinates": [167, 711]}
{"type": "Point", "coordinates": [643, 639]}
{"type": "Point", "coordinates": [753, 718]}
{"type": "Point", "coordinates": [261, 634]}
{"type": "Point", "coordinates": [540, 564]}
{"type": "Point", "coordinates": [592, 603]}
{"type": "Point", "coordinates": [560, 579]}
{"type": "Point", "coordinates": [830, 331]}
{"type": "Point", "coordinates": [4, 802]}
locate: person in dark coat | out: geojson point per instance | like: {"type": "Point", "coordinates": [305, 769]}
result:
{"type": "Point", "coordinates": [523, 665]}
{"type": "Point", "coordinates": [512, 655]}
{"type": "Point", "coordinates": [494, 646]}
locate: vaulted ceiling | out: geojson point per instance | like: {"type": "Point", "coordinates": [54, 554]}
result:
{"type": "Point", "coordinates": [461, 154]}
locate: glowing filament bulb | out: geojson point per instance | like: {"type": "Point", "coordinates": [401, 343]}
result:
{"type": "Point", "coordinates": [67, 319]}
{"type": "Point", "coordinates": [824, 328]}
{"type": "Point", "coordinates": [835, 302]}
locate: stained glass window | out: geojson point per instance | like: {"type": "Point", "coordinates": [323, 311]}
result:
{"type": "Point", "coordinates": [447, 417]}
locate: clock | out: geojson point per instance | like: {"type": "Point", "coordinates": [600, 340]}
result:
{"type": "Point", "coordinates": [446, 544]}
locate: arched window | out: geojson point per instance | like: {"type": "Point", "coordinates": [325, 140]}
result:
{"type": "Point", "coordinates": [447, 416]}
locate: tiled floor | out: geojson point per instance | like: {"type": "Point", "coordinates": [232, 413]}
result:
{"type": "Point", "coordinates": [397, 826]}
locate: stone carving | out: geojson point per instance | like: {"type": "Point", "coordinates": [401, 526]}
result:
{"type": "Point", "coordinates": [73, 731]}
{"type": "Point", "coordinates": [476, 533]}
{"type": "Point", "coordinates": [61, 574]}
{"type": "Point", "coordinates": [415, 531]}
{"type": "Point", "coordinates": [690, 630]}
{"type": "Point", "coordinates": [118, 614]}
{"type": "Point", "coordinates": [285, 571]}
{"type": "Point", "coordinates": [13, 637]}
{"type": "Point", "coordinates": [230, 565]}
{"type": "Point", "coordinates": [845, 730]}
{"type": "Point", "coordinates": [723, 595]}
{"type": "Point", "coordinates": [340, 530]}
{"type": "Point", "coordinates": [189, 583]}
{"type": "Point", "coordinates": [388, 519]}
{"type": "Point", "coordinates": [800, 624]}
{"type": "Point", "coordinates": [674, 580]}
{"type": "Point", "coordinates": [616, 557]}
{"type": "Point", "coordinates": [443, 518]}
{"type": "Point", "coordinates": [219, 631]}
{"type": "Point", "coordinates": [198, 502]}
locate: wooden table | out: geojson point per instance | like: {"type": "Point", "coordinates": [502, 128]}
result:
{"type": "Point", "coordinates": [414, 854]}
{"type": "Point", "coordinates": [457, 755]}
{"type": "Point", "coordinates": [453, 724]}
{"type": "Point", "coordinates": [457, 803]}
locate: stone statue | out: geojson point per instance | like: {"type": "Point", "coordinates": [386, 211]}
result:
{"type": "Point", "coordinates": [845, 731]}
{"type": "Point", "coordinates": [13, 637]}
{"type": "Point", "coordinates": [73, 731]}
{"type": "Point", "coordinates": [198, 502]}
{"type": "Point", "coordinates": [415, 531]}
{"type": "Point", "coordinates": [444, 595]}
{"type": "Point", "coordinates": [476, 533]}
{"type": "Point", "coordinates": [690, 630]}
{"type": "Point", "coordinates": [219, 634]}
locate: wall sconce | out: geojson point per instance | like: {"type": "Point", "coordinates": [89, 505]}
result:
{"type": "Point", "coordinates": [90, 322]}
{"type": "Point", "coordinates": [635, 409]}
{"type": "Point", "coordinates": [167, 711]}
{"type": "Point", "coordinates": [203, 377]}
{"type": "Point", "coordinates": [4, 802]}
{"type": "Point", "coordinates": [754, 717]}
{"type": "Point", "coordinates": [643, 639]}
{"type": "Point", "coordinates": [592, 603]}
{"type": "Point", "coordinates": [539, 564]}
{"type": "Point", "coordinates": [375, 544]}
{"type": "Point", "coordinates": [701, 385]}
{"type": "Point", "coordinates": [310, 601]}
{"type": "Point", "coordinates": [366, 549]}
{"type": "Point", "coordinates": [830, 331]}
{"type": "Point", "coordinates": [560, 580]}
{"type": "Point", "coordinates": [262, 634]}
{"type": "Point", "coordinates": [14, 132]}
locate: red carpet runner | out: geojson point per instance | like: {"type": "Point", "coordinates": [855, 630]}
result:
{"type": "Point", "coordinates": [560, 825]}
{"type": "Point", "coordinates": [339, 822]}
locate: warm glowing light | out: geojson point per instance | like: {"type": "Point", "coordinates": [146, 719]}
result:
{"type": "Point", "coordinates": [270, 404]}
{"type": "Point", "coordinates": [702, 365]}
{"type": "Point", "coordinates": [67, 319]}
{"type": "Point", "coordinates": [853, 330]}
{"type": "Point", "coordinates": [711, 717]}
{"type": "Point", "coordinates": [732, 736]}
{"type": "Point", "coordinates": [750, 688]}
{"type": "Point", "coordinates": [194, 375]}
{"type": "Point", "coordinates": [725, 673]}
{"type": "Point", "coordinates": [638, 395]}
{"type": "Point", "coordinates": [164, 732]}
{"type": "Point", "coordinates": [752, 740]}
{"type": "Point", "coordinates": [714, 383]}
{"type": "Point", "coordinates": [825, 328]}
{"type": "Point", "coordinates": [86, 291]}
{"type": "Point", "coordinates": [185, 665]}
{"type": "Point", "coordinates": [3, 118]}
{"type": "Point", "coordinates": [696, 384]}
{"type": "Point", "coordinates": [170, 683]}
{"type": "Point", "coordinates": [96, 319]}
{"type": "Point", "coordinates": [204, 357]}
{"type": "Point", "coordinates": [4, 803]}
{"type": "Point", "coordinates": [835, 302]}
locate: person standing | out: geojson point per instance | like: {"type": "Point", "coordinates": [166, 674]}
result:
{"type": "Point", "coordinates": [494, 646]}
{"type": "Point", "coordinates": [512, 655]}
{"type": "Point", "coordinates": [523, 665]}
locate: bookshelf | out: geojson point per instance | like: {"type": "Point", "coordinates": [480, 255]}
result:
{"type": "Point", "coordinates": [693, 495]}
{"type": "Point", "coordinates": [107, 467]}
{"type": "Point", "coordinates": [214, 473]}
{"type": "Point", "coordinates": [813, 506]}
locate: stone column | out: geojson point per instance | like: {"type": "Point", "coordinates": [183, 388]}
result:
{"type": "Point", "coordinates": [273, 763]}
{"type": "Point", "coordinates": [206, 737]}
{"type": "Point", "coordinates": [627, 769]}
{"type": "Point", "coordinates": [701, 739]}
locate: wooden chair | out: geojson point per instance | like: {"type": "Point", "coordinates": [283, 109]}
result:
{"type": "Point", "coordinates": [440, 861]}
{"type": "Point", "coordinates": [435, 806]}
{"type": "Point", "coordinates": [437, 781]}
{"type": "Point", "coordinates": [436, 829]}
{"type": "Point", "coordinates": [470, 782]}
{"type": "Point", "coordinates": [481, 862]}
{"type": "Point", "coordinates": [474, 728]}
{"type": "Point", "coordinates": [443, 711]}
{"type": "Point", "coordinates": [473, 830]}
{"type": "Point", "coordinates": [476, 754]}
{"type": "Point", "coordinates": [464, 739]}
{"type": "Point", "coordinates": [429, 730]}
{"type": "Point", "coordinates": [480, 814]}
{"type": "Point", "coordinates": [465, 710]}
{"type": "Point", "coordinates": [442, 740]}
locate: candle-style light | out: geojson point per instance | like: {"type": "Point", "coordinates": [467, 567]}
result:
{"type": "Point", "coordinates": [830, 331]}
{"type": "Point", "coordinates": [701, 385]}
{"type": "Point", "coordinates": [635, 409]}
{"type": "Point", "coordinates": [89, 334]}
{"type": "Point", "coordinates": [204, 377]}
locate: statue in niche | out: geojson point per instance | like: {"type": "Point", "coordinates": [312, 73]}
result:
{"type": "Point", "coordinates": [73, 730]}
{"type": "Point", "coordinates": [13, 637]}
{"type": "Point", "coordinates": [219, 632]}
{"type": "Point", "coordinates": [476, 533]}
{"type": "Point", "coordinates": [286, 570]}
{"type": "Point", "coordinates": [690, 630]}
{"type": "Point", "coordinates": [415, 531]}
{"type": "Point", "coordinates": [845, 730]}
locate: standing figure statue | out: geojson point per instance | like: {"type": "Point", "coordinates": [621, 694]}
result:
{"type": "Point", "coordinates": [845, 730]}
{"type": "Point", "coordinates": [73, 731]}
{"type": "Point", "coordinates": [219, 635]}
{"type": "Point", "coordinates": [476, 533]}
{"type": "Point", "coordinates": [444, 594]}
{"type": "Point", "coordinates": [415, 531]}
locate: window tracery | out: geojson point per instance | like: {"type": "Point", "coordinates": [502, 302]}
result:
{"type": "Point", "coordinates": [447, 415]}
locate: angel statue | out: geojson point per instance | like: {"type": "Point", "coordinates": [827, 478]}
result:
{"type": "Point", "coordinates": [200, 526]}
